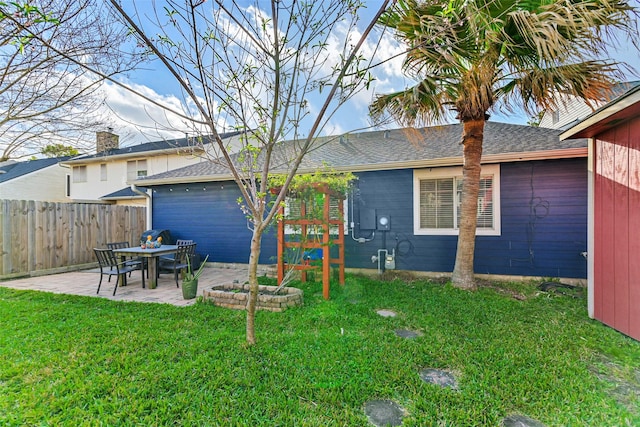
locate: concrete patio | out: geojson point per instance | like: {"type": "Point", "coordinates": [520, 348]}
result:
{"type": "Point", "coordinates": [85, 283]}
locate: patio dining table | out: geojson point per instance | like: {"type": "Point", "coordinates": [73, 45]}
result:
{"type": "Point", "coordinates": [152, 254]}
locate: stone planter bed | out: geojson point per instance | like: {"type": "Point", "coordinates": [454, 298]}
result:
{"type": "Point", "coordinates": [235, 296]}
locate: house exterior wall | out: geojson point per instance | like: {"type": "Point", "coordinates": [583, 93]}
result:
{"type": "Point", "coordinates": [616, 232]}
{"type": "Point", "coordinates": [44, 185]}
{"type": "Point", "coordinates": [543, 223]}
{"type": "Point", "coordinates": [94, 187]}
{"type": "Point", "coordinates": [209, 214]}
{"type": "Point", "coordinates": [572, 110]}
{"type": "Point", "coordinates": [543, 230]}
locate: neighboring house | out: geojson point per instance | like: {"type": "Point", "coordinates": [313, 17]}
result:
{"type": "Point", "coordinates": [614, 211]}
{"type": "Point", "coordinates": [40, 180]}
{"type": "Point", "coordinates": [574, 109]}
{"type": "Point", "coordinates": [107, 176]}
{"type": "Point", "coordinates": [533, 207]}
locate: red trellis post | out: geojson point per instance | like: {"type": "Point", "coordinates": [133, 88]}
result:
{"type": "Point", "coordinates": [325, 224]}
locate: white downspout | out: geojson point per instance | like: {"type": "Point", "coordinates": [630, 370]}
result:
{"type": "Point", "coordinates": [149, 205]}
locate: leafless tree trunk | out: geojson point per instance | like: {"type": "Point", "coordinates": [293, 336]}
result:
{"type": "Point", "coordinates": [254, 257]}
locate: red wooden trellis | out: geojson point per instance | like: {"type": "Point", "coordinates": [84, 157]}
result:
{"type": "Point", "coordinates": [324, 224]}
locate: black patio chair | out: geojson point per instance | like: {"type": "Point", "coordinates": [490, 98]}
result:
{"type": "Point", "coordinates": [170, 257]}
{"type": "Point", "coordinates": [183, 242]}
{"type": "Point", "coordinates": [111, 266]}
{"type": "Point", "coordinates": [137, 262]}
{"type": "Point", "coordinates": [179, 261]}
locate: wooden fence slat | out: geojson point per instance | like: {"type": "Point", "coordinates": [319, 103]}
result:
{"type": "Point", "coordinates": [31, 235]}
{"type": "Point", "coordinates": [48, 229]}
{"type": "Point", "coordinates": [21, 243]}
{"type": "Point", "coordinates": [61, 229]}
{"type": "Point", "coordinates": [4, 234]}
{"type": "Point", "coordinates": [36, 236]}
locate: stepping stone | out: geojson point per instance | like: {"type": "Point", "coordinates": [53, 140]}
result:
{"type": "Point", "coordinates": [520, 421]}
{"type": "Point", "coordinates": [384, 413]}
{"type": "Point", "coordinates": [386, 313]}
{"type": "Point", "coordinates": [439, 377]}
{"type": "Point", "coordinates": [405, 333]}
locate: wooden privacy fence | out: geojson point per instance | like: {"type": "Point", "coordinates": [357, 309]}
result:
{"type": "Point", "coordinates": [40, 236]}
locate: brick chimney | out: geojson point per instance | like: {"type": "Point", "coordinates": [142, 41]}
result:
{"type": "Point", "coordinates": [106, 141]}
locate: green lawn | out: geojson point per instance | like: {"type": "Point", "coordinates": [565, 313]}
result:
{"type": "Point", "coordinates": [69, 360]}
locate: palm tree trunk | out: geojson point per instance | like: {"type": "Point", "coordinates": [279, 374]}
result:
{"type": "Point", "coordinates": [473, 134]}
{"type": "Point", "coordinates": [254, 256]}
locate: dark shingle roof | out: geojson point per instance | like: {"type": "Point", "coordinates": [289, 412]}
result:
{"type": "Point", "coordinates": [620, 89]}
{"type": "Point", "coordinates": [125, 193]}
{"type": "Point", "coordinates": [147, 147]}
{"type": "Point", "coordinates": [397, 148]}
{"type": "Point", "coordinates": [9, 171]}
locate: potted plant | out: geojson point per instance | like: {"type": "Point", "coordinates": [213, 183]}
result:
{"type": "Point", "coordinates": [190, 279]}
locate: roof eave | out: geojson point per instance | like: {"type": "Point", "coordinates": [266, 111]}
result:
{"type": "Point", "coordinates": [565, 153]}
{"type": "Point", "coordinates": [122, 198]}
{"type": "Point", "coordinates": [626, 107]}
{"type": "Point", "coordinates": [150, 153]}
{"type": "Point", "coordinates": [92, 201]}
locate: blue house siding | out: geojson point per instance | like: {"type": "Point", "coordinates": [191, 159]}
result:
{"type": "Point", "coordinates": [391, 192]}
{"type": "Point", "coordinates": [210, 215]}
{"type": "Point", "coordinates": [387, 192]}
{"type": "Point", "coordinates": [544, 219]}
{"type": "Point", "coordinates": [543, 230]}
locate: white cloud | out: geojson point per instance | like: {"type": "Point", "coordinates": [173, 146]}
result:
{"type": "Point", "coordinates": [137, 120]}
{"type": "Point", "coordinates": [383, 54]}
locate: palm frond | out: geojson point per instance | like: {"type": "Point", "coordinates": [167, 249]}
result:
{"type": "Point", "coordinates": [422, 103]}
{"type": "Point", "coordinates": [565, 29]}
{"type": "Point", "coordinates": [470, 53]}
{"type": "Point", "coordinates": [539, 88]}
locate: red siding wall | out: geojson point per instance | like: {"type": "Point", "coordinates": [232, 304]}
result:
{"type": "Point", "coordinates": [617, 228]}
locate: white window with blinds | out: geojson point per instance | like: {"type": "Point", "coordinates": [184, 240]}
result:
{"type": "Point", "coordinates": [437, 197]}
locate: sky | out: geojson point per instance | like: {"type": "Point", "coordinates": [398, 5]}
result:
{"type": "Point", "coordinates": [156, 82]}
{"type": "Point", "coordinates": [137, 121]}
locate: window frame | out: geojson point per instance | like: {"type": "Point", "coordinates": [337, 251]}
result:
{"type": "Point", "coordinates": [141, 165]}
{"type": "Point", "coordinates": [79, 174]}
{"type": "Point", "coordinates": [455, 173]}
